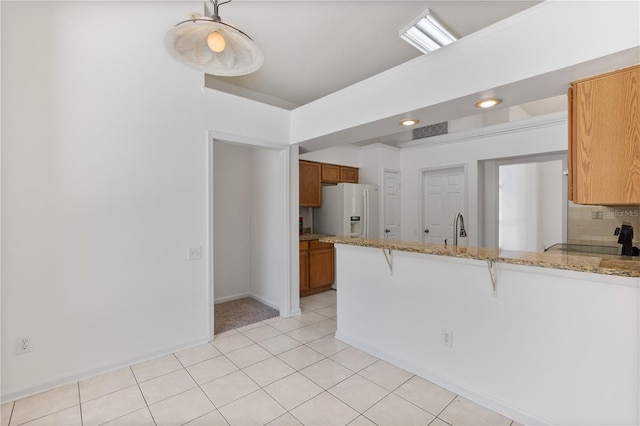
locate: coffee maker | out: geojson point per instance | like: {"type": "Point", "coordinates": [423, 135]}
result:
{"type": "Point", "coordinates": [625, 237]}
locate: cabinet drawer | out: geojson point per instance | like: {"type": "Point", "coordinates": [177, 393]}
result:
{"type": "Point", "coordinates": [317, 245]}
{"type": "Point", "coordinates": [304, 245]}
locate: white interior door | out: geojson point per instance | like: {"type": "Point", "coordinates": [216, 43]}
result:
{"type": "Point", "coordinates": [391, 212]}
{"type": "Point", "coordinates": [444, 194]}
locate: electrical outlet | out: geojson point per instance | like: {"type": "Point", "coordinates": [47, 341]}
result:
{"type": "Point", "coordinates": [23, 345]}
{"type": "Point", "coordinates": [194, 253]}
{"type": "Point", "coordinates": [446, 338]}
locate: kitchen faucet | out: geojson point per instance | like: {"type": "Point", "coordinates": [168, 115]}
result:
{"type": "Point", "coordinates": [462, 231]}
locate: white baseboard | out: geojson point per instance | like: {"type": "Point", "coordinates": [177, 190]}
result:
{"type": "Point", "coordinates": [265, 301]}
{"type": "Point", "coordinates": [230, 298]}
{"type": "Point", "coordinates": [445, 382]}
{"type": "Point", "coordinates": [80, 375]}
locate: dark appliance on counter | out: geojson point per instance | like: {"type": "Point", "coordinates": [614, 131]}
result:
{"type": "Point", "coordinates": [625, 237]}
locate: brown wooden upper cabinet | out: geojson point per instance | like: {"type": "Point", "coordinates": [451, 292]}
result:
{"type": "Point", "coordinates": [310, 193]}
{"type": "Point", "coordinates": [604, 139]}
{"type": "Point", "coordinates": [313, 175]}
{"type": "Point", "coordinates": [348, 174]}
{"type": "Point", "coordinates": [333, 173]}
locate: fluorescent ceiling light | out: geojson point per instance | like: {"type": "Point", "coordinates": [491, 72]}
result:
{"type": "Point", "coordinates": [425, 33]}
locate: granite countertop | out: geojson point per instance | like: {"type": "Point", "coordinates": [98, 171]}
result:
{"type": "Point", "coordinates": [608, 265]}
{"type": "Point", "coordinates": [308, 237]}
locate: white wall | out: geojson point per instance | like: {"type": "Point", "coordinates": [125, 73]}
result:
{"type": "Point", "coordinates": [347, 155]}
{"type": "Point", "coordinates": [232, 220]}
{"type": "Point", "coordinates": [371, 161]}
{"type": "Point", "coordinates": [552, 224]}
{"type": "Point", "coordinates": [554, 347]}
{"type": "Point", "coordinates": [518, 224]}
{"type": "Point", "coordinates": [270, 224]}
{"type": "Point", "coordinates": [104, 186]}
{"type": "Point", "coordinates": [527, 137]}
{"type": "Point", "coordinates": [372, 108]}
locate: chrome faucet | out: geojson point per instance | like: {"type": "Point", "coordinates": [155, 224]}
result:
{"type": "Point", "coordinates": [461, 232]}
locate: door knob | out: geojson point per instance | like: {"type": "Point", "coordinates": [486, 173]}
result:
{"type": "Point", "coordinates": [426, 231]}
{"type": "Point", "coordinates": [386, 231]}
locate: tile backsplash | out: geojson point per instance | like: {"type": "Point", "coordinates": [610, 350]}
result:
{"type": "Point", "coordinates": [594, 225]}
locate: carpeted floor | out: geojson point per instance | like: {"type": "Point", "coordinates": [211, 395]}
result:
{"type": "Point", "coordinates": [241, 312]}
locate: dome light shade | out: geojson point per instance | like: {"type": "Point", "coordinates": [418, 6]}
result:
{"type": "Point", "coordinates": [229, 53]}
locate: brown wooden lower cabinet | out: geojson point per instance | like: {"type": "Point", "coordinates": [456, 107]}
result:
{"type": "Point", "coordinates": [304, 266]}
{"type": "Point", "coordinates": [316, 267]}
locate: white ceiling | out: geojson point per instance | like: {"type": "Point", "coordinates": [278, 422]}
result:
{"type": "Point", "coordinates": [315, 48]}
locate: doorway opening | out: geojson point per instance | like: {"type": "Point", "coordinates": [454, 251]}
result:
{"type": "Point", "coordinates": [526, 202]}
{"type": "Point", "coordinates": [249, 236]}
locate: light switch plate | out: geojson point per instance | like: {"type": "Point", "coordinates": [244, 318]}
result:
{"type": "Point", "coordinates": [194, 253]}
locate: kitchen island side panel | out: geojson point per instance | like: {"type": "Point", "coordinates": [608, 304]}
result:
{"type": "Point", "coordinates": [554, 347]}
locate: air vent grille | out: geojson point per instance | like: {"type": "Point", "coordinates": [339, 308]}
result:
{"type": "Point", "coordinates": [431, 130]}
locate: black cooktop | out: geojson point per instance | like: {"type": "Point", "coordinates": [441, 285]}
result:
{"type": "Point", "coordinates": [585, 248]}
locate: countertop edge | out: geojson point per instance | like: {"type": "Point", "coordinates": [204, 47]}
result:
{"type": "Point", "coordinates": [556, 260]}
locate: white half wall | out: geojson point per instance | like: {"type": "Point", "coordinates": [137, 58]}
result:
{"type": "Point", "coordinates": [554, 347]}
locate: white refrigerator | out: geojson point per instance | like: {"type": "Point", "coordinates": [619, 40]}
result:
{"type": "Point", "coordinates": [348, 210]}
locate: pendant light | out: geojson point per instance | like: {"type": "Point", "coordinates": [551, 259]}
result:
{"type": "Point", "coordinates": [212, 46]}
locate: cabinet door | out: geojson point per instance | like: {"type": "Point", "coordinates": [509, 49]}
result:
{"type": "Point", "coordinates": [606, 154]}
{"type": "Point", "coordinates": [321, 267]}
{"type": "Point", "coordinates": [330, 173]}
{"type": "Point", "coordinates": [304, 270]}
{"type": "Point", "coordinates": [571, 154]}
{"type": "Point", "coordinates": [348, 174]}
{"type": "Point", "coordinates": [309, 181]}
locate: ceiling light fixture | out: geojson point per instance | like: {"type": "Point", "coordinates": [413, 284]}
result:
{"type": "Point", "coordinates": [426, 34]}
{"type": "Point", "coordinates": [212, 46]}
{"type": "Point", "coordinates": [488, 102]}
{"type": "Point", "coordinates": [409, 122]}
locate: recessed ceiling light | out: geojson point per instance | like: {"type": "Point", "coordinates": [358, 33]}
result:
{"type": "Point", "coordinates": [425, 33]}
{"type": "Point", "coordinates": [409, 122]}
{"type": "Point", "coordinates": [488, 102]}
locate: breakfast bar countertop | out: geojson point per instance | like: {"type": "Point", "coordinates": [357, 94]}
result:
{"type": "Point", "coordinates": [309, 237]}
{"type": "Point", "coordinates": [607, 265]}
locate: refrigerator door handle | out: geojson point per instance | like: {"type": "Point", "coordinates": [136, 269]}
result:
{"type": "Point", "coordinates": [365, 225]}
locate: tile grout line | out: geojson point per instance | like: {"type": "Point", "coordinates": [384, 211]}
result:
{"type": "Point", "coordinates": [199, 386]}
{"type": "Point", "coordinates": [80, 405]}
{"type": "Point", "coordinates": [143, 397]}
{"type": "Point", "coordinates": [13, 407]}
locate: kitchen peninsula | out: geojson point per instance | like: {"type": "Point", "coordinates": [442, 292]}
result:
{"type": "Point", "coordinates": [544, 338]}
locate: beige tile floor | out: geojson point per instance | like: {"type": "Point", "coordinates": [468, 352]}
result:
{"type": "Point", "coordinates": [276, 372]}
